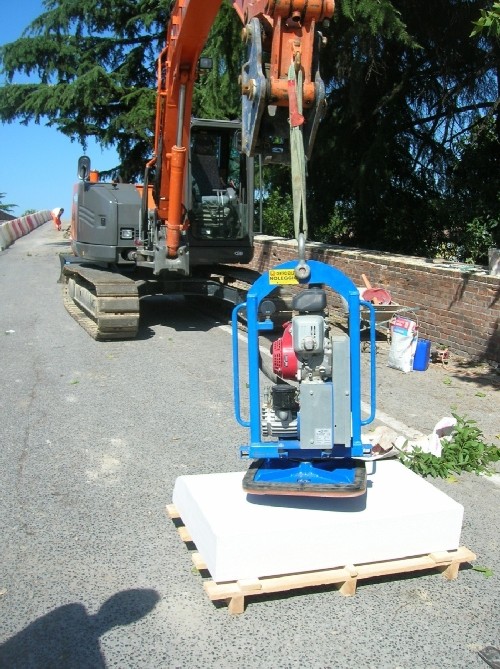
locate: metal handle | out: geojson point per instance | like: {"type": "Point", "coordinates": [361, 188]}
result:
{"type": "Point", "coordinates": [236, 366]}
{"type": "Point", "coordinates": [373, 399]}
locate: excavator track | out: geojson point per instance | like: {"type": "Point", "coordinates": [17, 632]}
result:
{"type": "Point", "coordinates": [105, 304]}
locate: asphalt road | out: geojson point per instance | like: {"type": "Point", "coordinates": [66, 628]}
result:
{"type": "Point", "coordinates": [93, 438]}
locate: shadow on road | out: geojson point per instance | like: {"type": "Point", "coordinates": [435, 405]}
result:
{"type": "Point", "coordinates": [182, 314]}
{"type": "Point", "coordinates": [69, 637]}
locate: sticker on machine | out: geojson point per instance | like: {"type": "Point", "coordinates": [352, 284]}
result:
{"type": "Point", "coordinates": [282, 277]}
{"type": "Point", "coordinates": [323, 436]}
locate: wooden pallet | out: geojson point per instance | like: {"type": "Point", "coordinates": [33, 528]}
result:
{"type": "Point", "coordinates": [345, 579]}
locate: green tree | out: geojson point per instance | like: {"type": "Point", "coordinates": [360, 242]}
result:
{"type": "Point", "coordinates": [4, 206]}
{"type": "Point", "coordinates": [217, 94]}
{"type": "Point", "coordinates": [93, 67]}
{"type": "Point", "coordinates": [489, 22]}
{"type": "Point", "coordinates": [411, 125]}
{"type": "Point", "coordinates": [405, 88]}
{"type": "Point", "coordinates": [278, 214]}
{"type": "Point", "coordinates": [93, 71]}
{"type": "Point", "coordinates": [474, 199]}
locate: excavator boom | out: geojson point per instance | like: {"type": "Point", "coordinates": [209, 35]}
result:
{"type": "Point", "coordinates": [287, 33]}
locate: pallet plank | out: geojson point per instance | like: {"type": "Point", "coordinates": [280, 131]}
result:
{"type": "Point", "coordinates": [172, 512]}
{"type": "Point", "coordinates": [344, 578]}
{"type": "Point", "coordinates": [184, 534]}
{"type": "Point", "coordinates": [198, 561]}
{"type": "Point", "coordinates": [236, 605]}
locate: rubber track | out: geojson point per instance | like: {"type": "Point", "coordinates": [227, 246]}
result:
{"type": "Point", "coordinates": [113, 323]}
{"type": "Point", "coordinates": [112, 286]}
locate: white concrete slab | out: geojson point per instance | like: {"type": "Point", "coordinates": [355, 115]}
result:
{"type": "Point", "coordinates": [244, 536]}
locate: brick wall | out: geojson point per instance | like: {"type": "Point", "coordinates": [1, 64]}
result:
{"type": "Point", "coordinates": [456, 307]}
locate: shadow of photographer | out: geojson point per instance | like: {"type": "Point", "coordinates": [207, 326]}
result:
{"type": "Point", "coordinates": [69, 636]}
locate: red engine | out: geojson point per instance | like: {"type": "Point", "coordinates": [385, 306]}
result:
{"type": "Point", "coordinates": [284, 359]}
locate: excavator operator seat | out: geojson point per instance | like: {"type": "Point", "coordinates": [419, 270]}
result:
{"type": "Point", "coordinates": [205, 171]}
{"type": "Point", "coordinates": [215, 204]}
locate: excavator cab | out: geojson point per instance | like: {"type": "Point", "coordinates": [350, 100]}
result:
{"type": "Point", "coordinates": [220, 187]}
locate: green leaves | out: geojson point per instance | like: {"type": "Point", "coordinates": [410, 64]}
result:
{"type": "Point", "coordinates": [486, 571]}
{"type": "Point", "coordinates": [217, 94]}
{"type": "Point", "coordinates": [488, 22]}
{"type": "Point", "coordinates": [465, 452]}
{"type": "Point", "coordinates": [278, 214]}
{"type": "Point", "coordinates": [381, 18]}
{"type": "Point", "coordinates": [4, 206]}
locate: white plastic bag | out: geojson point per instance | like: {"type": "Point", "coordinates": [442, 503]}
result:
{"type": "Point", "coordinates": [431, 443]}
{"type": "Point", "coordinates": [404, 336]}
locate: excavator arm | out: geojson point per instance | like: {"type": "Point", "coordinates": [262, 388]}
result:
{"type": "Point", "coordinates": [277, 33]}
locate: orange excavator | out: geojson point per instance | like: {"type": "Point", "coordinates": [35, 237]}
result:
{"type": "Point", "coordinates": [194, 212]}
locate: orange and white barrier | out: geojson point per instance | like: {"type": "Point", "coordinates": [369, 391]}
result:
{"type": "Point", "coordinates": [18, 227]}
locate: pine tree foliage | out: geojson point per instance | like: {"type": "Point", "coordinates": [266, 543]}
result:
{"type": "Point", "coordinates": [94, 73]}
{"type": "Point", "coordinates": [217, 94]}
{"type": "Point", "coordinates": [406, 87]}
{"type": "Point", "coordinates": [93, 66]}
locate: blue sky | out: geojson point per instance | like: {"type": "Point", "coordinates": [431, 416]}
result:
{"type": "Point", "coordinates": [37, 163]}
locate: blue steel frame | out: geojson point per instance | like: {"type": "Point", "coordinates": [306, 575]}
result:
{"type": "Point", "coordinates": [337, 281]}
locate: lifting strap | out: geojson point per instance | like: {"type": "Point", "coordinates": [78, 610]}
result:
{"type": "Point", "coordinates": [297, 154]}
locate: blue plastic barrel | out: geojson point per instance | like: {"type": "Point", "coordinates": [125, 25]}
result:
{"type": "Point", "coordinates": [422, 355]}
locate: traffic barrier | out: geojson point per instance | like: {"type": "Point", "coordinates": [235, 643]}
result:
{"type": "Point", "coordinates": [5, 239]}
{"type": "Point", "coordinates": [41, 217]}
{"type": "Point", "coordinates": [25, 229]}
{"type": "Point", "coordinates": [18, 227]}
{"type": "Point", "coordinates": [11, 231]}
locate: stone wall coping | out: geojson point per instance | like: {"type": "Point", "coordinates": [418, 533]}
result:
{"type": "Point", "coordinates": [381, 257]}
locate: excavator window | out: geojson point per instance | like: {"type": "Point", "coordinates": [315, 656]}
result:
{"type": "Point", "coordinates": [205, 160]}
{"type": "Point", "coordinates": [217, 203]}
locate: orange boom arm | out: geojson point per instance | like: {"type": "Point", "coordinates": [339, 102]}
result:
{"type": "Point", "coordinates": [286, 29]}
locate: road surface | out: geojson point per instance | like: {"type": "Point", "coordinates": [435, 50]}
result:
{"type": "Point", "coordinates": [93, 438]}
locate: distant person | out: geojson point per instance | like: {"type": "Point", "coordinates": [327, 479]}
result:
{"type": "Point", "coordinates": [56, 216]}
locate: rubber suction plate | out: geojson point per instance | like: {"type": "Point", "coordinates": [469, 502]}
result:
{"type": "Point", "coordinates": [333, 478]}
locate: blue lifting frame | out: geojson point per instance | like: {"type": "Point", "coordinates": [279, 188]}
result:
{"type": "Point", "coordinates": [326, 275]}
